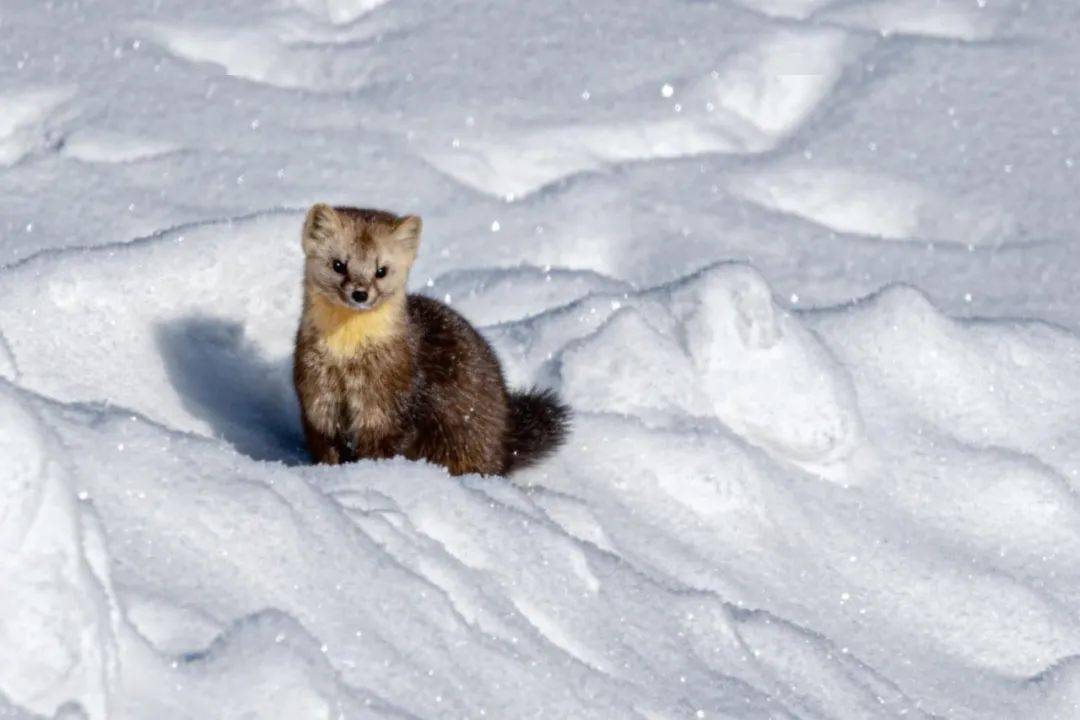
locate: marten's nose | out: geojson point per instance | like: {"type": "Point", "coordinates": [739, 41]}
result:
{"type": "Point", "coordinates": [359, 296]}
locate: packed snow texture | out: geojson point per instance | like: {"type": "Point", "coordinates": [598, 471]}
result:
{"type": "Point", "coordinates": [804, 269]}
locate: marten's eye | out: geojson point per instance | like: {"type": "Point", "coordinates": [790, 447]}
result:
{"type": "Point", "coordinates": [380, 272]}
{"type": "Point", "coordinates": [339, 267]}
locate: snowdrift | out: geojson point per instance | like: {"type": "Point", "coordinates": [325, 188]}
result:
{"type": "Point", "coordinates": [866, 511]}
{"type": "Point", "coordinates": [748, 241]}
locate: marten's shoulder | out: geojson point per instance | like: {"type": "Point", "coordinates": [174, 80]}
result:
{"type": "Point", "coordinates": [447, 343]}
{"type": "Point", "coordinates": [433, 318]}
{"type": "Point", "coordinates": [423, 309]}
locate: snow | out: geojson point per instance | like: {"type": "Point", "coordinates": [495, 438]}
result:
{"type": "Point", "coordinates": [804, 269]}
{"type": "Point", "coordinates": [27, 116]}
{"type": "Point", "coordinates": [874, 205]}
{"type": "Point", "coordinates": [58, 606]}
{"type": "Point", "coordinates": [757, 98]}
{"type": "Point", "coordinates": [95, 146]}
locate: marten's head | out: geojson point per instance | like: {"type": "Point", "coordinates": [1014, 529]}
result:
{"type": "Point", "coordinates": [358, 259]}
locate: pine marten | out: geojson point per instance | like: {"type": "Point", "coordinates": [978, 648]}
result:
{"type": "Point", "coordinates": [381, 373]}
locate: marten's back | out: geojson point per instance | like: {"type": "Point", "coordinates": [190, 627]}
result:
{"type": "Point", "coordinates": [461, 406]}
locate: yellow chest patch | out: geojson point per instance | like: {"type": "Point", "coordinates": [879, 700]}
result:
{"type": "Point", "coordinates": [345, 331]}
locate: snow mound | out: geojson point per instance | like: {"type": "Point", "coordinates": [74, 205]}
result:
{"type": "Point", "coordinates": [271, 53]}
{"type": "Point", "coordinates": [769, 379]}
{"type": "Point", "coordinates": [950, 19]}
{"type": "Point", "coordinates": [989, 384]}
{"type": "Point", "coordinates": [872, 204]}
{"type": "Point", "coordinates": [775, 85]}
{"type": "Point", "coordinates": [339, 12]}
{"type": "Point", "coordinates": [189, 317]}
{"type": "Point", "coordinates": [517, 165]}
{"type": "Point", "coordinates": [104, 146]}
{"type": "Point", "coordinates": [489, 297]}
{"type": "Point", "coordinates": [718, 346]}
{"type": "Point", "coordinates": [28, 120]}
{"type": "Point", "coordinates": [58, 614]}
{"type": "Point", "coordinates": [753, 102]}
{"type": "Point", "coordinates": [795, 9]}
{"type": "Point", "coordinates": [262, 665]}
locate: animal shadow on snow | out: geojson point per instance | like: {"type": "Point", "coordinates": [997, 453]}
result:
{"type": "Point", "coordinates": [223, 379]}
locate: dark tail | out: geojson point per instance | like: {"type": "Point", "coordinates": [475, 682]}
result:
{"type": "Point", "coordinates": [538, 424]}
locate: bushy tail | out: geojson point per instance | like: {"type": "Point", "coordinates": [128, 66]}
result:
{"type": "Point", "coordinates": [538, 424]}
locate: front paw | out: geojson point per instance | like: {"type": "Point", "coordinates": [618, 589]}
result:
{"type": "Point", "coordinates": [347, 451]}
{"type": "Point", "coordinates": [328, 456]}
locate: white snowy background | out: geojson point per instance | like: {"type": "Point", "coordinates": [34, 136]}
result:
{"type": "Point", "coordinates": [805, 269]}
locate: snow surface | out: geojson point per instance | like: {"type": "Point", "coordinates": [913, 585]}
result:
{"type": "Point", "coordinates": [805, 270]}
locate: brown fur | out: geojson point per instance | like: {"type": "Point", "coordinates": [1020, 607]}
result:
{"type": "Point", "coordinates": [402, 374]}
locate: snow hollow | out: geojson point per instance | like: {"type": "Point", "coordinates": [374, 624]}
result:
{"type": "Point", "coordinates": [804, 269]}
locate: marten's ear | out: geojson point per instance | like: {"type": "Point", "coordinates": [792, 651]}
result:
{"type": "Point", "coordinates": [407, 233]}
{"type": "Point", "coordinates": [320, 225]}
